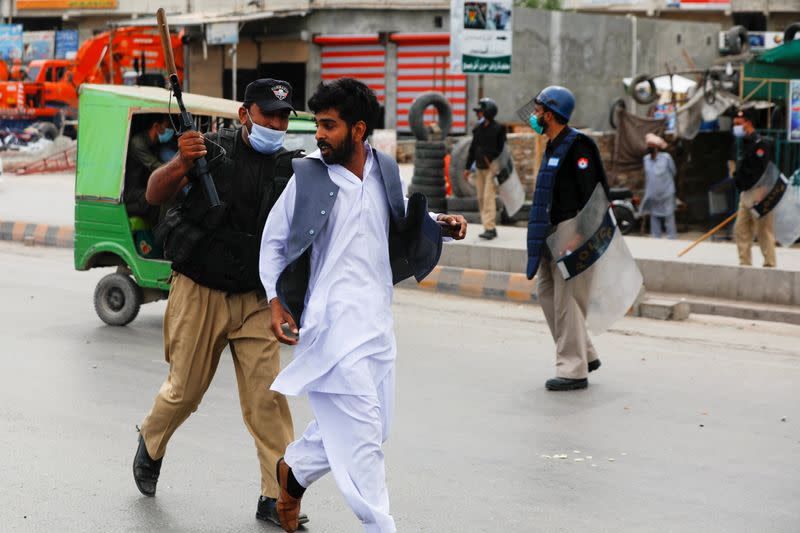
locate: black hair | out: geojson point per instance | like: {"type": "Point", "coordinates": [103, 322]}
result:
{"type": "Point", "coordinates": [144, 121]}
{"type": "Point", "coordinates": [558, 118]}
{"type": "Point", "coordinates": [351, 98]}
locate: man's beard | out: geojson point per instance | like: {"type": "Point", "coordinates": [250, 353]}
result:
{"type": "Point", "coordinates": [340, 155]}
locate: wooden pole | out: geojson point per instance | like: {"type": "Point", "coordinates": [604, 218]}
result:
{"type": "Point", "coordinates": [709, 234]}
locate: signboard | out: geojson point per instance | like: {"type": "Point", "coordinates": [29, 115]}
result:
{"type": "Point", "coordinates": [707, 5]}
{"type": "Point", "coordinates": [38, 45]}
{"type": "Point", "coordinates": [65, 4]}
{"type": "Point", "coordinates": [11, 42]}
{"type": "Point", "coordinates": [222, 33]}
{"type": "Point", "coordinates": [480, 36]}
{"type": "Point", "coordinates": [66, 44]}
{"type": "Point", "coordinates": [794, 111]}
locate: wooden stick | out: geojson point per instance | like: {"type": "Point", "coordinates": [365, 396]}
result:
{"type": "Point", "coordinates": [709, 234]}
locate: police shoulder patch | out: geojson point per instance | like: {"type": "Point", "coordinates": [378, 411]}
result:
{"type": "Point", "coordinates": [583, 163]}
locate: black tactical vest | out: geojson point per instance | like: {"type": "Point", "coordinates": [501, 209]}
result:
{"type": "Point", "coordinates": [222, 253]}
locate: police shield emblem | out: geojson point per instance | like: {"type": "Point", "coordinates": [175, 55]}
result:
{"type": "Point", "coordinates": [280, 92]}
{"type": "Point", "coordinates": [775, 193]}
{"type": "Point", "coordinates": [591, 254]}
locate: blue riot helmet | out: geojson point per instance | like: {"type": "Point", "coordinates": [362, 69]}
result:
{"type": "Point", "coordinates": [557, 99]}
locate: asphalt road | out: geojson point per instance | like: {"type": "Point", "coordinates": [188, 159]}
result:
{"type": "Point", "coordinates": [683, 423]}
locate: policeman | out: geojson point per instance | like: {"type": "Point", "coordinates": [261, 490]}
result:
{"type": "Point", "coordinates": [756, 155]}
{"type": "Point", "coordinates": [143, 159]}
{"type": "Point", "coordinates": [570, 170]}
{"type": "Point", "coordinates": [216, 298]}
{"type": "Point", "coordinates": [488, 140]}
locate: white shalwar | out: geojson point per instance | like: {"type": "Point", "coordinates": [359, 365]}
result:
{"type": "Point", "coordinates": [344, 358]}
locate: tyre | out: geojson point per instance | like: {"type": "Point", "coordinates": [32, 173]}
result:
{"type": "Point", "coordinates": [643, 96]}
{"type": "Point", "coordinates": [459, 205]}
{"type": "Point", "coordinates": [437, 204]}
{"type": "Point", "coordinates": [791, 31]}
{"type": "Point", "coordinates": [429, 163]}
{"type": "Point", "coordinates": [431, 191]}
{"type": "Point", "coordinates": [416, 114]}
{"type": "Point", "coordinates": [736, 40]}
{"type": "Point", "coordinates": [429, 172]}
{"type": "Point", "coordinates": [617, 106]}
{"type": "Point", "coordinates": [48, 130]}
{"type": "Point", "coordinates": [430, 145]}
{"type": "Point", "coordinates": [625, 218]}
{"type": "Point", "coordinates": [428, 182]}
{"type": "Point", "coordinates": [458, 163]}
{"type": "Point", "coordinates": [430, 153]}
{"type": "Point", "coordinates": [117, 299]}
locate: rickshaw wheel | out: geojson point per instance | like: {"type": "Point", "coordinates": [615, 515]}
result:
{"type": "Point", "coordinates": [117, 299]}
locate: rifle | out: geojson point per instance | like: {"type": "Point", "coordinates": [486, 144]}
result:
{"type": "Point", "coordinates": [200, 164]}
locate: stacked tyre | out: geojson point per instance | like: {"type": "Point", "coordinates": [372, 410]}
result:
{"type": "Point", "coordinates": [428, 176]}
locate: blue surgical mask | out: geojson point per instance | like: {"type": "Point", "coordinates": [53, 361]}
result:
{"type": "Point", "coordinates": [481, 120]}
{"type": "Point", "coordinates": [265, 140]}
{"type": "Point", "coordinates": [738, 131]}
{"type": "Point", "coordinates": [537, 126]}
{"type": "Point", "coordinates": [167, 136]}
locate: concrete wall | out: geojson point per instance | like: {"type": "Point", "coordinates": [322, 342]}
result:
{"type": "Point", "coordinates": [591, 54]}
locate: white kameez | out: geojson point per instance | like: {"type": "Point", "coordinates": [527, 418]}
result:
{"type": "Point", "coordinates": [348, 308]}
{"type": "Point", "coordinates": [345, 355]}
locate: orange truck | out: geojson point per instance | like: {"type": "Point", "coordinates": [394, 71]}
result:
{"type": "Point", "coordinates": [49, 91]}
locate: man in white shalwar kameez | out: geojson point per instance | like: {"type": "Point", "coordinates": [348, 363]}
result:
{"type": "Point", "coordinates": [345, 351]}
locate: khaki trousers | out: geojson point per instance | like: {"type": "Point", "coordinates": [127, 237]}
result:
{"type": "Point", "coordinates": [198, 324]}
{"type": "Point", "coordinates": [564, 305]}
{"type": "Point", "coordinates": [748, 225]}
{"type": "Point", "coordinates": [487, 195]}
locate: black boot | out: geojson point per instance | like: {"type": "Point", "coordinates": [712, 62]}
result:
{"type": "Point", "coordinates": [489, 234]}
{"type": "Point", "coordinates": [267, 512]}
{"type": "Point", "coordinates": [594, 365]}
{"type": "Point", "coordinates": [145, 470]}
{"type": "Point", "coordinates": [566, 384]}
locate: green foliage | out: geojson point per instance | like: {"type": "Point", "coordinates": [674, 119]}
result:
{"type": "Point", "coordinates": [552, 5]}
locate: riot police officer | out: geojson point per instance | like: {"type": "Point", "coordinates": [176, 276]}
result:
{"type": "Point", "coordinates": [755, 156]}
{"type": "Point", "coordinates": [570, 170]}
{"type": "Point", "coordinates": [488, 141]}
{"type": "Point", "coordinates": [216, 298]}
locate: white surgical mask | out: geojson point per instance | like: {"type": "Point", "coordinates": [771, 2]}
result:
{"type": "Point", "coordinates": [738, 131]}
{"type": "Point", "coordinates": [264, 140]}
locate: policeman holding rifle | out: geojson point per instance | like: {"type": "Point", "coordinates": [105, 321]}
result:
{"type": "Point", "coordinates": [216, 299]}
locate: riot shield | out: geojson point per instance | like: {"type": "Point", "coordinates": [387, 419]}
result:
{"type": "Point", "coordinates": [509, 188]}
{"type": "Point", "coordinates": [775, 193]}
{"type": "Point", "coordinates": [591, 254]}
{"type": "Point", "coordinates": [787, 212]}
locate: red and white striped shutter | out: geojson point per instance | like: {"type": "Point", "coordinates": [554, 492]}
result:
{"type": "Point", "coordinates": [362, 57]}
{"type": "Point", "coordinates": [423, 64]}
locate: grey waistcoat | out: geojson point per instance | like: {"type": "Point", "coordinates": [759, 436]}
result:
{"type": "Point", "coordinates": [415, 240]}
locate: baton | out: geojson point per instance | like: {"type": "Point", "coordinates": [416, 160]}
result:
{"type": "Point", "coordinates": [709, 234]}
{"type": "Point", "coordinates": [201, 165]}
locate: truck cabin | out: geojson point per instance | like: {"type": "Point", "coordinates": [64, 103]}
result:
{"type": "Point", "coordinates": [48, 70]}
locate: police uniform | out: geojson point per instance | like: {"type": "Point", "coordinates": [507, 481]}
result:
{"type": "Point", "coordinates": [564, 304]}
{"type": "Point", "coordinates": [216, 299]}
{"type": "Point", "coordinates": [756, 155]}
{"type": "Point", "coordinates": [488, 141]}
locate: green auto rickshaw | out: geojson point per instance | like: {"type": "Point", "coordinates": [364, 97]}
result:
{"type": "Point", "coordinates": [105, 236]}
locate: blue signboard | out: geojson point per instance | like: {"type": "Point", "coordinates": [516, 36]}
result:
{"type": "Point", "coordinates": [11, 41]}
{"type": "Point", "coordinates": [66, 44]}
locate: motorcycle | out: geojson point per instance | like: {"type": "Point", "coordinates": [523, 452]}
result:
{"type": "Point", "coordinates": [625, 206]}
